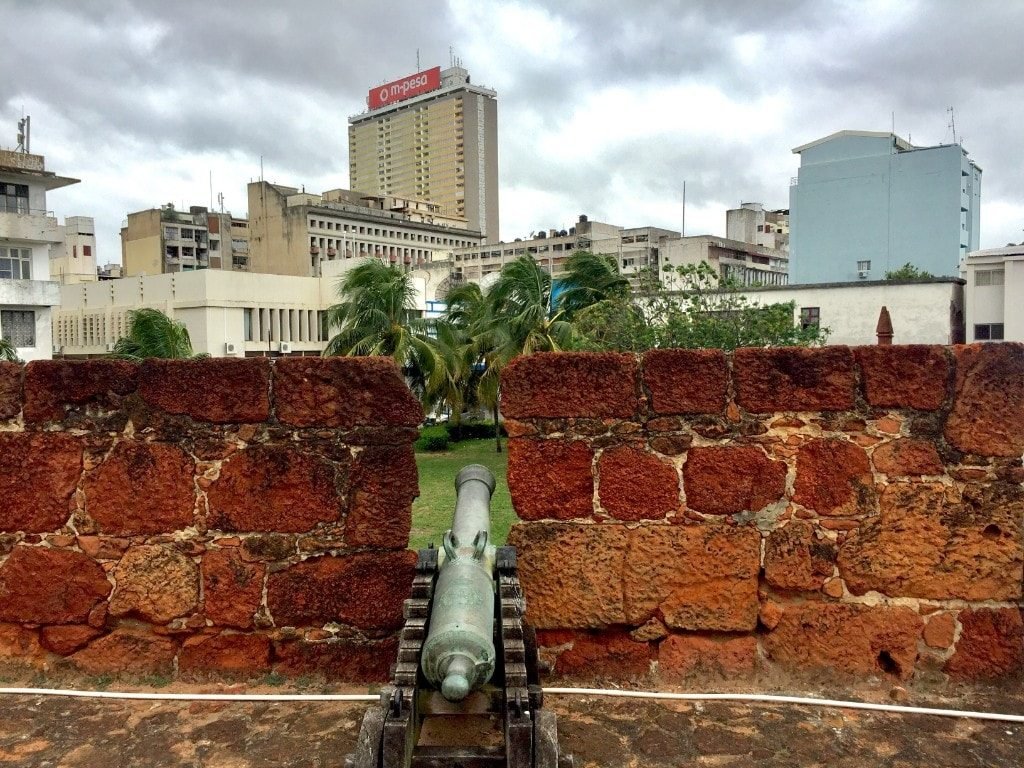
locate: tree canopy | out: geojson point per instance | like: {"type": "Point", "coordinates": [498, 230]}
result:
{"type": "Point", "coordinates": [907, 272]}
{"type": "Point", "coordinates": [7, 352]}
{"type": "Point", "coordinates": [151, 333]}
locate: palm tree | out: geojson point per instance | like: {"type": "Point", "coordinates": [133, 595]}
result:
{"type": "Point", "coordinates": [590, 278]}
{"type": "Point", "coordinates": [524, 318]}
{"type": "Point", "coordinates": [7, 352]}
{"type": "Point", "coordinates": [151, 333]}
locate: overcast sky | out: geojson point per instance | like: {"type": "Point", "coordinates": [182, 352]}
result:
{"type": "Point", "coordinates": [604, 108]}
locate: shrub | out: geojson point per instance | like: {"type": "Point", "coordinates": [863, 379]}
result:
{"type": "Point", "coordinates": [472, 430]}
{"type": "Point", "coordinates": [433, 439]}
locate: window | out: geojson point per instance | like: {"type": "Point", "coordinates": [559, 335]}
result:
{"type": "Point", "coordinates": [14, 198]}
{"type": "Point", "coordinates": [863, 266]}
{"type": "Point", "coordinates": [810, 317]}
{"type": "Point", "coordinates": [988, 277]}
{"type": "Point", "coordinates": [87, 250]}
{"type": "Point", "coordinates": [247, 321]}
{"type": "Point", "coordinates": [15, 264]}
{"type": "Point", "coordinates": [988, 332]}
{"type": "Point", "coordinates": [171, 233]}
{"type": "Point", "coordinates": [18, 327]}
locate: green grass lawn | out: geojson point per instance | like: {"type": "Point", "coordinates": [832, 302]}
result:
{"type": "Point", "coordinates": [432, 511]}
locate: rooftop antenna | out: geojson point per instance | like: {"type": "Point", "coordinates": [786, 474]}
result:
{"type": "Point", "coordinates": [220, 201]}
{"type": "Point", "coordinates": [24, 131]}
{"type": "Point", "coordinates": [451, 56]}
{"type": "Point", "coordinates": [417, 59]}
{"type": "Point", "coordinates": [952, 122]}
{"type": "Point", "coordinates": [683, 232]}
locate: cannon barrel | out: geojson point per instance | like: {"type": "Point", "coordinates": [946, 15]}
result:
{"type": "Point", "coordinates": [459, 655]}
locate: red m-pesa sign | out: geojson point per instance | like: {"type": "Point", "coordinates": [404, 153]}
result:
{"type": "Point", "coordinates": [406, 88]}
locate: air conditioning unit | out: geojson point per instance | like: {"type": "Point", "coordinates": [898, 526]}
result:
{"type": "Point", "coordinates": [862, 274]}
{"type": "Point", "coordinates": [286, 348]}
{"type": "Point", "coordinates": [230, 349]}
{"type": "Point", "coordinates": [110, 346]}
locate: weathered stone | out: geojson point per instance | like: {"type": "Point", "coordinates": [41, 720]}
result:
{"type": "Point", "coordinates": [573, 384]}
{"type": "Point", "coordinates": [103, 547]}
{"type": "Point", "coordinates": [550, 479]}
{"type": "Point", "coordinates": [155, 583]}
{"type": "Point", "coordinates": [21, 645]}
{"type": "Point", "coordinates": [680, 656]}
{"type": "Point", "coordinates": [833, 477]}
{"type": "Point", "coordinates": [671, 445]}
{"type": "Point", "coordinates": [606, 654]}
{"type": "Point", "coordinates": [218, 390]}
{"type": "Point", "coordinates": [232, 588]}
{"type": "Point", "coordinates": [794, 558]}
{"type": "Point", "coordinates": [636, 485]}
{"type": "Point", "coordinates": [50, 586]}
{"type": "Point", "coordinates": [65, 640]}
{"type": "Point", "coordinates": [142, 488]}
{"type": "Point", "coordinates": [365, 590]}
{"type": "Point", "coordinates": [514, 428]}
{"type": "Point", "coordinates": [239, 654]}
{"type": "Point", "coordinates": [847, 638]}
{"type": "Point", "coordinates": [834, 588]}
{"type": "Point", "coordinates": [275, 488]}
{"type": "Point", "coordinates": [908, 457]}
{"type": "Point", "coordinates": [269, 547]}
{"type": "Point", "coordinates": [904, 376]}
{"type": "Point", "coordinates": [686, 380]}
{"type": "Point", "coordinates": [343, 392]}
{"type": "Point", "coordinates": [794, 379]}
{"type": "Point", "coordinates": [350, 661]}
{"type": "Point", "coordinates": [940, 630]}
{"type": "Point", "coordinates": [988, 409]}
{"type": "Point", "coordinates": [52, 387]}
{"type": "Point", "coordinates": [384, 484]}
{"type": "Point", "coordinates": [927, 542]}
{"type": "Point", "coordinates": [11, 375]}
{"type": "Point", "coordinates": [38, 475]}
{"type": "Point", "coordinates": [991, 644]}
{"type": "Point", "coordinates": [652, 629]}
{"type": "Point", "coordinates": [727, 480]}
{"type": "Point", "coordinates": [127, 650]}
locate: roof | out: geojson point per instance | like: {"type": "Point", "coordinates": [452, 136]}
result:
{"type": "Point", "coordinates": [901, 143]}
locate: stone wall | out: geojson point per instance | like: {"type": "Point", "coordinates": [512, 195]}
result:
{"type": "Point", "coordinates": [228, 515]}
{"type": "Point", "coordinates": [691, 512]}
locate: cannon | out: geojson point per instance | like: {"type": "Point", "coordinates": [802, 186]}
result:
{"type": "Point", "coordinates": [464, 652]}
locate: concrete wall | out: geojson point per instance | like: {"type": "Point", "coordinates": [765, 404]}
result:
{"type": "Point", "coordinates": [211, 516]}
{"type": "Point", "coordinates": [854, 511]}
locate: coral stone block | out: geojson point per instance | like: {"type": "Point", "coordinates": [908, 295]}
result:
{"type": "Point", "coordinates": [343, 392]}
{"type": "Point", "coordinates": [50, 586]}
{"type": "Point", "coordinates": [607, 654]}
{"type": "Point", "coordinates": [940, 630]}
{"type": "Point", "coordinates": [794, 379]}
{"type": "Point", "coordinates": [385, 482]}
{"type": "Point", "coordinates": [636, 485]}
{"type": "Point", "coordinates": [852, 639]}
{"type": "Point", "coordinates": [21, 646]}
{"type": "Point", "coordinates": [52, 387]}
{"type": "Point", "coordinates": [218, 390]}
{"type": "Point", "coordinates": [142, 488]}
{"type": "Point", "coordinates": [11, 375]}
{"type": "Point", "coordinates": [988, 407]}
{"type": "Point", "coordinates": [550, 479]}
{"type": "Point", "coordinates": [904, 376]}
{"type": "Point", "coordinates": [907, 457]}
{"type": "Point", "coordinates": [686, 380]}
{"type": "Point", "coordinates": [928, 541]}
{"type": "Point", "coordinates": [275, 488]}
{"type": "Point", "coordinates": [833, 477]}
{"type": "Point", "coordinates": [346, 660]}
{"type": "Point", "coordinates": [128, 650]}
{"type": "Point", "coordinates": [365, 590]}
{"type": "Point", "coordinates": [66, 639]}
{"type": "Point", "coordinates": [232, 588]}
{"type": "Point", "coordinates": [727, 480]}
{"type": "Point", "coordinates": [794, 558]}
{"type": "Point", "coordinates": [38, 476]}
{"type": "Point", "coordinates": [228, 652]}
{"type": "Point", "coordinates": [155, 584]}
{"type": "Point", "coordinates": [570, 384]}
{"type": "Point", "coordinates": [991, 644]}
{"type": "Point", "coordinates": [682, 656]}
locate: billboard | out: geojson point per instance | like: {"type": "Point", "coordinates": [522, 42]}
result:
{"type": "Point", "coordinates": [400, 90]}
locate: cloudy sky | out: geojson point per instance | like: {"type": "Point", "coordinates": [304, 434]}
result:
{"type": "Point", "coordinates": [604, 108]}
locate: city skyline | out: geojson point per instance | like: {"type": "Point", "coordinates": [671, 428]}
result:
{"type": "Point", "coordinates": [599, 113]}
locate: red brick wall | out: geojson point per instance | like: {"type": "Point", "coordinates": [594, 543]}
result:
{"type": "Point", "coordinates": [692, 512]}
{"type": "Point", "coordinates": [205, 516]}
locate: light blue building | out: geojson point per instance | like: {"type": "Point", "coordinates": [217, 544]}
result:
{"type": "Point", "coordinates": [865, 203]}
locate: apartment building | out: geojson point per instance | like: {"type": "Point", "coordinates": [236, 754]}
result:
{"type": "Point", "coordinates": [293, 232]}
{"type": "Point", "coordinates": [431, 136]}
{"type": "Point", "coordinates": [28, 230]}
{"type": "Point", "coordinates": [165, 239]}
{"type": "Point", "coordinates": [751, 223]}
{"type": "Point", "coordinates": [73, 259]}
{"type": "Point", "coordinates": [995, 294]}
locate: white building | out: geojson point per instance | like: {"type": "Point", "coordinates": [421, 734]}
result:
{"type": "Point", "coordinates": [73, 260]}
{"type": "Point", "coordinates": [995, 294]}
{"type": "Point", "coordinates": [27, 233]}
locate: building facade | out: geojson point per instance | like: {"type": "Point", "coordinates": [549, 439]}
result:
{"type": "Point", "coordinates": [163, 240]}
{"type": "Point", "coordinates": [751, 223]}
{"type": "Point", "coordinates": [292, 232]}
{"type": "Point", "coordinates": [431, 136]}
{"type": "Point", "coordinates": [865, 203]}
{"type": "Point", "coordinates": [995, 294]}
{"type": "Point", "coordinates": [73, 259]}
{"type": "Point", "coordinates": [28, 230]}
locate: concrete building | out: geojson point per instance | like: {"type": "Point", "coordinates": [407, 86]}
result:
{"type": "Point", "coordinates": [751, 223]}
{"type": "Point", "coordinates": [995, 294]}
{"type": "Point", "coordinates": [164, 239]}
{"type": "Point", "coordinates": [73, 259]}
{"type": "Point", "coordinates": [293, 232]}
{"type": "Point", "coordinates": [431, 136]}
{"type": "Point", "coordinates": [865, 203]}
{"type": "Point", "coordinates": [27, 233]}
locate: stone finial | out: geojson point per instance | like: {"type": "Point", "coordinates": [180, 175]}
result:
{"type": "Point", "coordinates": [884, 327]}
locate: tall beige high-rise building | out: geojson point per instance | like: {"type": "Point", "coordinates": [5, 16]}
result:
{"type": "Point", "coordinates": [431, 136]}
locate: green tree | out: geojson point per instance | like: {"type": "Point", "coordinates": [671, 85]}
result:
{"type": "Point", "coordinates": [590, 278]}
{"type": "Point", "coordinates": [7, 352]}
{"type": "Point", "coordinates": [907, 272]}
{"type": "Point", "coordinates": [523, 316]}
{"type": "Point", "coordinates": [151, 333]}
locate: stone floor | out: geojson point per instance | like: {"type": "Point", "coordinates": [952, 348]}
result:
{"type": "Point", "coordinates": [75, 733]}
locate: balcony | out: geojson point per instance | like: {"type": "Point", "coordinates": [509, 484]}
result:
{"type": "Point", "coordinates": [31, 225]}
